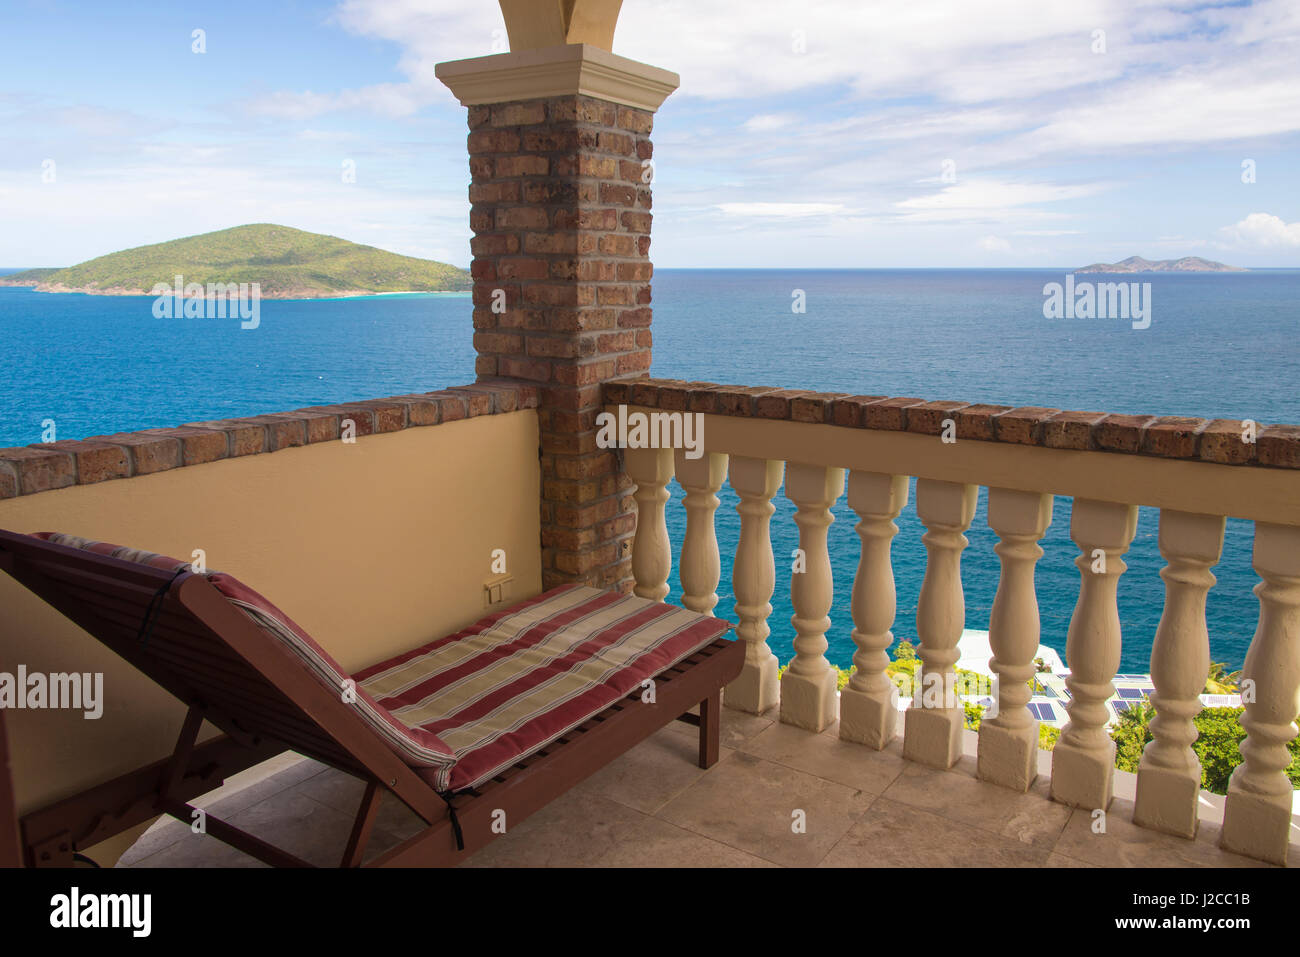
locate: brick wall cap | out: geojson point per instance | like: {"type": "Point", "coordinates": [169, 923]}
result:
{"type": "Point", "coordinates": [94, 461]}
{"type": "Point", "coordinates": [40, 467]}
{"type": "Point", "coordinates": [1223, 441]}
{"type": "Point", "coordinates": [568, 69]}
{"type": "Point", "coordinates": [1173, 436]}
{"type": "Point", "coordinates": [1187, 437]}
{"type": "Point", "coordinates": [1279, 446]}
{"type": "Point", "coordinates": [927, 418]}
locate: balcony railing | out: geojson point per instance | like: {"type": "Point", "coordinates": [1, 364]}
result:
{"type": "Point", "coordinates": [823, 448]}
{"type": "Point", "coordinates": [1191, 472]}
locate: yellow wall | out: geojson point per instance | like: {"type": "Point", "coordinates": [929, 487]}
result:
{"type": "Point", "coordinates": [374, 548]}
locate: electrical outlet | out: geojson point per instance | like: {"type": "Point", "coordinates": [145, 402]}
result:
{"type": "Point", "coordinates": [497, 589]}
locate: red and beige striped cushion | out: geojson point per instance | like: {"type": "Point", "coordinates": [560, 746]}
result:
{"type": "Point", "coordinates": [151, 559]}
{"type": "Point", "coordinates": [509, 684]}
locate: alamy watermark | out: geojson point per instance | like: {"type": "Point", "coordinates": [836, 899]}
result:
{"type": "Point", "coordinates": [75, 909]}
{"type": "Point", "coordinates": [1098, 300]}
{"type": "Point", "coordinates": [653, 430]}
{"type": "Point", "coordinates": [82, 691]}
{"type": "Point", "coordinates": [216, 300]}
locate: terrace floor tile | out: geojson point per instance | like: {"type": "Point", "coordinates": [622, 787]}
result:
{"type": "Point", "coordinates": [653, 807]}
{"type": "Point", "coordinates": [767, 809]}
{"type": "Point", "coordinates": [1031, 817]}
{"type": "Point", "coordinates": [892, 834]}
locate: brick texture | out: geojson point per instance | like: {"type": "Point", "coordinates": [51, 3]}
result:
{"type": "Point", "coordinates": [559, 207]}
{"type": "Point", "coordinates": [1221, 441]}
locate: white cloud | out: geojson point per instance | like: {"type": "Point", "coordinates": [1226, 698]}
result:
{"type": "Point", "coordinates": [878, 47]}
{"type": "Point", "coordinates": [982, 199]}
{"type": "Point", "coordinates": [1211, 105]}
{"type": "Point", "coordinates": [383, 99]}
{"type": "Point", "coordinates": [766, 122]}
{"type": "Point", "coordinates": [993, 244]}
{"type": "Point", "coordinates": [885, 92]}
{"type": "Point", "coordinates": [97, 122]}
{"type": "Point", "coordinates": [1173, 68]}
{"type": "Point", "coordinates": [841, 143]}
{"type": "Point", "coordinates": [1262, 231]}
{"type": "Point", "coordinates": [780, 210]}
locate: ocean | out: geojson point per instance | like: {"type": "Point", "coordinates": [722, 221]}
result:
{"type": "Point", "coordinates": [1218, 345]}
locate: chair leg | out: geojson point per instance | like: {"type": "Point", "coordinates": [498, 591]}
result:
{"type": "Point", "coordinates": [362, 826]}
{"type": "Point", "coordinates": [710, 728]}
{"type": "Point", "coordinates": [185, 742]}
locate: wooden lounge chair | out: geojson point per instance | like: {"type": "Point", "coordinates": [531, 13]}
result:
{"type": "Point", "coordinates": [503, 716]}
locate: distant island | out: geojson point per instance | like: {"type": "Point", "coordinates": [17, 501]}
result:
{"type": "Point", "coordinates": [286, 263]}
{"type": "Point", "coordinates": [1186, 264]}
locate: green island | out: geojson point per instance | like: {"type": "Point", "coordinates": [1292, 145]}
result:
{"type": "Point", "coordinates": [286, 263]}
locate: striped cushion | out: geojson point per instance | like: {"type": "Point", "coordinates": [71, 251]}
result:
{"type": "Point", "coordinates": [506, 686]}
{"type": "Point", "coordinates": [415, 746]}
{"type": "Point", "coordinates": [151, 559]}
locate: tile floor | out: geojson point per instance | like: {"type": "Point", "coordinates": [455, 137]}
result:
{"type": "Point", "coordinates": [654, 808]}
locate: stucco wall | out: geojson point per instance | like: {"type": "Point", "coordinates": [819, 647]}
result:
{"type": "Point", "coordinates": [373, 547]}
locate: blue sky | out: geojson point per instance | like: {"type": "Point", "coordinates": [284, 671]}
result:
{"type": "Point", "coordinates": [828, 152]}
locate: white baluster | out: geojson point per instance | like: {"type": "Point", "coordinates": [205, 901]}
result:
{"type": "Point", "coordinates": [869, 703]}
{"type": "Point", "coordinates": [1083, 761]}
{"type": "Point", "coordinates": [1257, 815]}
{"type": "Point", "coordinates": [1169, 776]}
{"type": "Point", "coordinates": [652, 560]}
{"type": "Point", "coordinates": [932, 729]}
{"type": "Point", "coordinates": [808, 685]}
{"type": "Point", "coordinates": [701, 565]}
{"type": "Point", "coordinates": [753, 581]}
{"type": "Point", "coordinates": [1008, 741]}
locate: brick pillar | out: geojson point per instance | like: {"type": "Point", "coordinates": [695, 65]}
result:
{"type": "Point", "coordinates": [560, 209]}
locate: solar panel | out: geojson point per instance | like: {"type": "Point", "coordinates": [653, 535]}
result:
{"type": "Point", "coordinates": [1130, 693]}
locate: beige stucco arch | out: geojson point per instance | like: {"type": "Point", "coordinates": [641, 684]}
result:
{"type": "Point", "coordinates": [532, 24]}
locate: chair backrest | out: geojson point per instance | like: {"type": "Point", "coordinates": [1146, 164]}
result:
{"type": "Point", "coordinates": [177, 628]}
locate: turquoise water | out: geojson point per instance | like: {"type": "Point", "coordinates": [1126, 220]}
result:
{"type": "Point", "coordinates": [1218, 346]}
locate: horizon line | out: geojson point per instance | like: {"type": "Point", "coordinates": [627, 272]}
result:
{"type": "Point", "coordinates": [1187, 272]}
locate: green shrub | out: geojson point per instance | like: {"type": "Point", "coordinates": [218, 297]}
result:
{"type": "Point", "coordinates": [1217, 747]}
{"type": "Point", "coordinates": [1220, 680]}
{"type": "Point", "coordinates": [841, 675]}
{"type": "Point", "coordinates": [907, 662]}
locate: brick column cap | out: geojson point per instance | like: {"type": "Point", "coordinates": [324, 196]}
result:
{"type": "Point", "coordinates": [565, 70]}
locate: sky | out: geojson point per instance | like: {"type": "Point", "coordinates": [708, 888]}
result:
{"type": "Point", "coordinates": [805, 133]}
